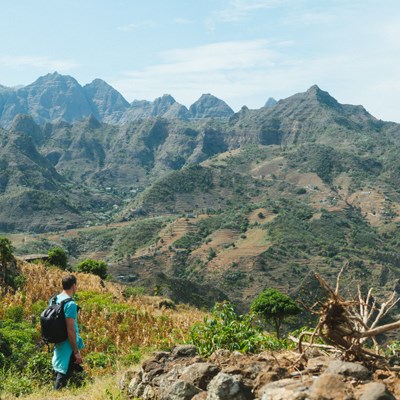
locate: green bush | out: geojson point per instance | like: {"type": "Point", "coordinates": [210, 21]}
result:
{"type": "Point", "coordinates": [93, 267]}
{"type": "Point", "coordinates": [58, 257]}
{"type": "Point", "coordinates": [227, 330]}
{"type": "Point", "coordinates": [14, 314]}
{"type": "Point", "coordinates": [16, 384]}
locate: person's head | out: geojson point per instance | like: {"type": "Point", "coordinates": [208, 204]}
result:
{"type": "Point", "coordinates": [68, 281]}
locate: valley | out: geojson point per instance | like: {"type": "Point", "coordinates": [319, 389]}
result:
{"type": "Point", "coordinates": [221, 207]}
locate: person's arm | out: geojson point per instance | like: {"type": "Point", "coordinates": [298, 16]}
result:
{"type": "Point", "coordinates": [72, 339]}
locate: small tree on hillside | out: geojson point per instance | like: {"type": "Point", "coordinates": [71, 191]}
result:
{"type": "Point", "coordinates": [58, 257]}
{"type": "Point", "coordinates": [272, 304]}
{"type": "Point", "coordinates": [93, 267]}
{"type": "Point", "coordinates": [6, 254]}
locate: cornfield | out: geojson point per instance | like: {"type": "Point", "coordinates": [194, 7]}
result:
{"type": "Point", "coordinates": [110, 323]}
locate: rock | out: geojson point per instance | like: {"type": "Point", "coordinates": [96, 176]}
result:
{"type": "Point", "coordinates": [149, 365]}
{"type": "Point", "coordinates": [200, 396]}
{"type": "Point", "coordinates": [126, 378]}
{"type": "Point", "coordinates": [200, 374]}
{"type": "Point", "coordinates": [375, 391]}
{"type": "Point", "coordinates": [136, 387]}
{"type": "Point", "coordinates": [161, 355]}
{"type": "Point", "coordinates": [268, 375]}
{"type": "Point", "coordinates": [286, 389]}
{"type": "Point", "coordinates": [329, 387]}
{"type": "Point", "coordinates": [180, 390]}
{"type": "Point", "coordinates": [354, 370]}
{"type": "Point", "coordinates": [183, 351]}
{"type": "Point", "coordinates": [228, 387]}
{"type": "Point", "coordinates": [168, 379]}
{"type": "Point", "coordinates": [317, 364]}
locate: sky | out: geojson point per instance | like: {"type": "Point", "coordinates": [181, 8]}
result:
{"type": "Point", "coordinates": [242, 51]}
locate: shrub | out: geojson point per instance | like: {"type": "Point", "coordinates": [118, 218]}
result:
{"type": "Point", "coordinates": [227, 330]}
{"type": "Point", "coordinates": [94, 267]}
{"type": "Point", "coordinates": [58, 257]}
{"type": "Point", "coordinates": [14, 314]}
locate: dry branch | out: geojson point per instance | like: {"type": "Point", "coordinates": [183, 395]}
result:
{"type": "Point", "coordinates": [345, 325]}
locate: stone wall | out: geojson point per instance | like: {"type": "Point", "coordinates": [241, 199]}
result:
{"type": "Point", "coordinates": [183, 375]}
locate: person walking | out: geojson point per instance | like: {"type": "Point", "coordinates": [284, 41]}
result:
{"type": "Point", "coordinates": [67, 358]}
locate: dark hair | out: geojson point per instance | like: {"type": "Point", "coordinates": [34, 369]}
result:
{"type": "Point", "coordinates": [68, 281]}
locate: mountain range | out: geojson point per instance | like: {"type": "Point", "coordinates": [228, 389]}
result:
{"type": "Point", "coordinates": [253, 199]}
{"type": "Point", "coordinates": [56, 97]}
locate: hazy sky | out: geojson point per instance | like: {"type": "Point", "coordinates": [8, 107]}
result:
{"type": "Point", "coordinates": [242, 51]}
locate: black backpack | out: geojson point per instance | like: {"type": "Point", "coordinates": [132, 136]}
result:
{"type": "Point", "coordinates": [52, 322]}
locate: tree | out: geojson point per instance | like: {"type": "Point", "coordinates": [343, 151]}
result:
{"type": "Point", "coordinates": [93, 267]}
{"type": "Point", "coordinates": [58, 257]}
{"type": "Point", "coordinates": [272, 304]}
{"type": "Point", "coordinates": [6, 254]}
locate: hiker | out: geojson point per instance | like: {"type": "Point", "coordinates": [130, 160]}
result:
{"type": "Point", "coordinates": [67, 358]}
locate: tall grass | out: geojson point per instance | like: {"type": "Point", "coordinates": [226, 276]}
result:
{"type": "Point", "coordinates": [116, 329]}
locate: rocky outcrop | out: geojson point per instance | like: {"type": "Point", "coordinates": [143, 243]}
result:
{"type": "Point", "coordinates": [182, 375]}
{"type": "Point", "coordinates": [210, 106]}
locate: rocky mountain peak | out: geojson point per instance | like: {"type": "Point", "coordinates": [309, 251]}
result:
{"type": "Point", "coordinates": [270, 102]}
{"type": "Point", "coordinates": [210, 106]}
{"type": "Point", "coordinates": [162, 104]}
{"type": "Point", "coordinates": [107, 103]}
{"type": "Point", "coordinates": [314, 93]}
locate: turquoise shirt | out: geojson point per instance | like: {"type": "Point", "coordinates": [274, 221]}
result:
{"type": "Point", "coordinates": [63, 350]}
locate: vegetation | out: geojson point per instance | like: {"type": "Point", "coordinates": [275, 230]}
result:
{"type": "Point", "coordinates": [94, 267]}
{"type": "Point", "coordinates": [58, 257]}
{"type": "Point", "coordinates": [273, 305]}
{"type": "Point", "coordinates": [117, 329]}
{"type": "Point", "coordinates": [225, 329]}
{"type": "Point", "coordinates": [6, 255]}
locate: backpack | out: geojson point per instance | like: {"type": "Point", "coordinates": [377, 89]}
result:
{"type": "Point", "coordinates": [52, 322]}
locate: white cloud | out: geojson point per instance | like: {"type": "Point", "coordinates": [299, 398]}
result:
{"type": "Point", "coordinates": [248, 72]}
{"type": "Point", "coordinates": [137, 25]}
{"type": "Point", "coordinates": [239, 9]}
{"type": "Point", "coordinates": [44, 62]}
{"type": "Point", "coordinates": [183, 21]}
{"type": "Point", "coordinates": [219, 68]}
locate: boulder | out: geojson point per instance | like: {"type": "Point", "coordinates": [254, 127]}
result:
{"type": "Point", "coordinates": [228, 387]}
{"type": "Point", "coordinates": [375, 391]}
{"type": "Point", "coordinates": [286, 389]}
{"type": "Point", "coordinates": [353, 370]}
{"type": "Point", "coordinates": [330, 387]}
{"type": "Point", "coordinates": [179, 390]}
{"type": "Point", "coordinates": [183, 351]}
{"type": "Point", "coordinates": [200, 374]}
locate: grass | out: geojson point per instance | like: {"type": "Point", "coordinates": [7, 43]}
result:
{"type": "Point", "coordinates": [101, 388]}
{"type": "Point", "coordinates": [117, 330]}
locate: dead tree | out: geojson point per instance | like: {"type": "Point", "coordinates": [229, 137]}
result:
{"type": "Point", "coordinates": [345, 326]}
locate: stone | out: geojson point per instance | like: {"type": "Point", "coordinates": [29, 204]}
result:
{"type": "Point", "coordinates": [200, 396]}
{"type": "Point", "coordinates": [126, 378]}
{"type": "Point", "coordinates": [317, 364]}
{"type": "Point", "coordinates": [353, 370]}
{"type": "Point", "coordinates": [179, 390]}
{"type": "Point", "coordinates": [183, 351]}
{"type": "Point", "coordinates": [200, 374]}
{"type": "Point", "coordinates": [161, 355]}
{"type": "Point", "coordinates": [329, 387]}
{"type": "Point", "coordinates": [286, 389]}
{"type": "Point", "coordinates": [228, 387]}
{"type": "Point", "coordinates": [375, 391]}
{"type": "Point", "coordinates": [266, 376]}
{"type": "Point", "coordinates": [149, 365]}
{"type": "Point", "coordinates": [168, 379]}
